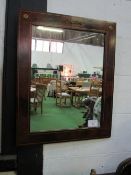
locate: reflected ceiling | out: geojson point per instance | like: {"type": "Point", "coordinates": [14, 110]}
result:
{"type": "Point", "coordinates": [81, 37]}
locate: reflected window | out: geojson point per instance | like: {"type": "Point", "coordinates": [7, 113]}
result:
{"type": "Point", "coordinates": [59, 47]}
{"type": "Point", "coordinates": [46, 45]}
{"type": "Point", "coordinates": [39, 45]}
{"type": "Point", "coordinates": [56, 47]}
{"type": "Point", "coordinates": [33, 44]}
{"type": "Point", "coordinates": [53, 47]}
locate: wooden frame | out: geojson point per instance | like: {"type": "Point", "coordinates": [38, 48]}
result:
{"type": "Point", "coordinates": [26, 20]}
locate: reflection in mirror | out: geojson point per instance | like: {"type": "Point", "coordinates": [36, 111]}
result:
{"type": "Point", "coordinates": [66, 79]}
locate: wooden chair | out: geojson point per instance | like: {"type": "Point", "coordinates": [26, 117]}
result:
{"type": "Point", "coordinates": [37, 100]}
{"type": "Point", "coordinates": [79, 83]}
{"type": "Point", "coordinates": [94, 91]}
{"type": "Point", "coordinates": [61, 95]}
{"type": "Point", "coordinates": [80, 96]}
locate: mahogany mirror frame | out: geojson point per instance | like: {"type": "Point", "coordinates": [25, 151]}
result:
{"type": "Point", "coordinates": [26, 20]}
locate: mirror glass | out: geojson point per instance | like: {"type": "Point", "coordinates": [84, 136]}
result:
{"type": "Point", "coordinates": [66, 79]}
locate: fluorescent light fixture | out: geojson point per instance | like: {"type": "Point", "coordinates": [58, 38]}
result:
{"type": "Point", "coordinates": [50, 29]}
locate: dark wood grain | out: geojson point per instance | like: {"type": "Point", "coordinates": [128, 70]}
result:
{"type": "Point", "coordinates": [26, 20]}
{"type": "Point", "coordinates": [9, 70]}
{"type": "Point", "coordinates": [7, 163]}
{"type": "Point", "coordinates": [30, 160]}
{"type": "Point", "coordinates": [8, 144]}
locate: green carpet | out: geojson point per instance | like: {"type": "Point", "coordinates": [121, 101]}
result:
{"type": "Point", "coordinates": [55, 117]}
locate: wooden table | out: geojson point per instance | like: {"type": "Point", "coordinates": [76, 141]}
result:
{"type": "Point", "coordinates": [79, 92]}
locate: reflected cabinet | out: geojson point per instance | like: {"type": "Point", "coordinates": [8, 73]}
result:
{"type": "Point", "coordinates": [65, 78]}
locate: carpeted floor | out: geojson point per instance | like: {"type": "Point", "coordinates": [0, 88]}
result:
{"type": "Point", "coordinates": [55, 117]}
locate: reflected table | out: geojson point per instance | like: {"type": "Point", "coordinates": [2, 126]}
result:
{"type": "Point", "coordinates": [78, 93]}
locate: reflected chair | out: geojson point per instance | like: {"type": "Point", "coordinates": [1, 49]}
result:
{"type": "Point", "coordinates": [37, 100]}
{"type": "Point", "coordinates": [94, 91]}
{"type": "Point", "coordinates": [51, 87]}
{"type": "Point", "coordinates": [79, 96]}
{"type": "Point", "coordinates": [86, 84]}
{"type": "Point", "coordinates": [79, 83]}
{"type": "Point", "coordinates": [62, 96]}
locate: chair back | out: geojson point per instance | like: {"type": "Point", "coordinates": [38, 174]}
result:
{"type": "Point", "coordinates": [97, 83]}
{"type": "Point", "coordinates": [40, 92]}
{"type": "Point", "coordinates": [53, 84]}
{"type": "Point", "coordinates": [94, 91]}
{"type": "Point", "coordinates": [79, 83]}
{"type": "Point", "coordinates": [58, 86]}
{"type": "Point", "coordinates": [86, 84]}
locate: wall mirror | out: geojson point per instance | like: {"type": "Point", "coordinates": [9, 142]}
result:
{"type": "Point", "coordinates": [64, 79]}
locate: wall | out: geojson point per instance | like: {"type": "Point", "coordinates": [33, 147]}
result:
{"type": "Point", "coordinates": [77, 158]}
{"type": "Point", "coordinates": [2, 28]}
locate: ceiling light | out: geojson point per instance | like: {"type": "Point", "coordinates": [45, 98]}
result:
{"type": "Point", "coordinates": [50, 29]}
